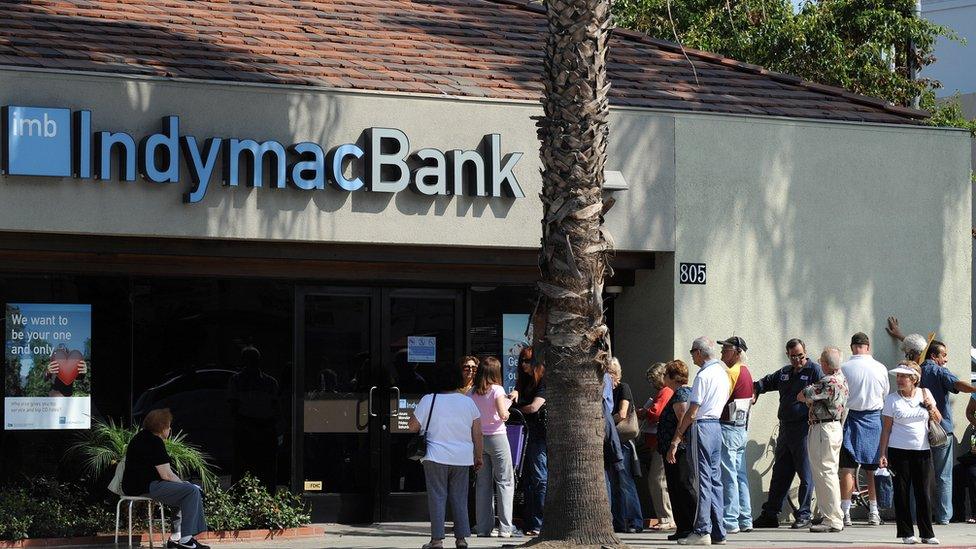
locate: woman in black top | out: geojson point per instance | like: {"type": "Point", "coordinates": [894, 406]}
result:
{"type": "Point", "coordinates": [530, 398]}
{"type": "Point", "coordinates": [624, 503]}
{"type": "Point", "coordinates": [148, 472]}
{"type": "Point", "coordinates": [677, 473]}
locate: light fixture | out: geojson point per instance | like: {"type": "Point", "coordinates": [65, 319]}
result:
{"type": "Point", "coordinates": [614, 181]}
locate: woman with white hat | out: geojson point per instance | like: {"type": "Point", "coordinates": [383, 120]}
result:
{"type": "Point", "coordinates": [905, 451]}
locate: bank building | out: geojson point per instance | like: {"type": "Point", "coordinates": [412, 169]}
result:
{"type": "Point", "coordinates": [351, 186]}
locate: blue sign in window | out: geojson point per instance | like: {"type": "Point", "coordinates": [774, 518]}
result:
{"type": "Point", "coordinates": [38, 141]}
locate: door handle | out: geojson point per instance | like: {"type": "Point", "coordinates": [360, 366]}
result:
{"type": "Point", "coordinates": [396, 408]}
{"type": "Point", "coordinates": [370, 405]}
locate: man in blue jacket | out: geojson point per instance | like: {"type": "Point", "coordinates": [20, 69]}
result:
{"type": "Point", "coordinates": [791, 446]}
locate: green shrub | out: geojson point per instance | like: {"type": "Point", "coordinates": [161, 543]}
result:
{"type": "Point", "coordinates": [249, 505]}
{"type": "Point", "coordinates": [104, 445]}
{"type": "Point", "coordinates": [15, 521]}
{"type": "Point", "coordinates": [48, 509]}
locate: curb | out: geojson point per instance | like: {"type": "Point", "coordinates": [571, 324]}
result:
{"type": "Point", "coordinates": [218, 536]}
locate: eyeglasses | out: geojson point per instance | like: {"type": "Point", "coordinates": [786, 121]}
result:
{"type": "Point", "coordinates": [469, 367]}
{"type": "Point", "coordinates": [800, 356]}
{"type": "Point", "coordinates": [693, 351]}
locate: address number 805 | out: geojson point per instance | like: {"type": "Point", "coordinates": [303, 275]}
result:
{"type": "Point", "coordinates": [691, 273]}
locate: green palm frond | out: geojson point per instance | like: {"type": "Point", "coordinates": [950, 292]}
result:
{"type": "Point", "coordinates": [187, 459]}
{"type": "Point", "coordinates": [104, 445]}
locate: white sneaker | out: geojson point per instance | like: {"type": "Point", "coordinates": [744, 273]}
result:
{"type": "Point", "coordinates": [696, 539]}
{"type": "Point", "coordinates": [910, 540]}
{"type": "Point", "coordinates": [847, 520]}
{"type": "Point", "coordinates": [874, 519]}
{"type": "Point", "coordinates": [505, 534]}
{"type": "Point", "coordinates": [931, 541]}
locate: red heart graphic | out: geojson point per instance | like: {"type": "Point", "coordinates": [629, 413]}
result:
{"type": "Point", "coordinates": [69, 368]}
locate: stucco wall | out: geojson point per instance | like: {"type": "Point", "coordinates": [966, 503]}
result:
{"type": "Point", "coordinates": [642, 220]}
{"type": "Point", "coordinates": [818, 231]}
{"type": "Point", "coordinates": [644, 323]}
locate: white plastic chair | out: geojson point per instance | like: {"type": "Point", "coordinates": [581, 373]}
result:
{"type": "Point", "coordinates": [149, 502]}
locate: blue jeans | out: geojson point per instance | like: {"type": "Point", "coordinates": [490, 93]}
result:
{"type": "Point", "coordinates": [706, 456]}
{"type": "Point", "coordinates": [624, 503]}
{"type": "Point", "coordinates": [942, 464]}
{"type": "Point", "coordinates": [735, 496]}
{"type": "Point", "coordinates": [536, 479]}
{"type": "Point", "coordinates": [190, 520]}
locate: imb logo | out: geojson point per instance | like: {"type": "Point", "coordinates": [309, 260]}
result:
{"type": "Point", "coordinates": [37, 141]}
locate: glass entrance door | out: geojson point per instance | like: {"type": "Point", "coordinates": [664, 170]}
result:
{"type": "Point", "coordinates": [363, 358]}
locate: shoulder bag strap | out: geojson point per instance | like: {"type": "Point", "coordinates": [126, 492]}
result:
{"type": "Point", "coordinates": [431, 413]}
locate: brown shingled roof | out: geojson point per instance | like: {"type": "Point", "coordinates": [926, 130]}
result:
{"type": "Point", "coordinates": [473, 48]}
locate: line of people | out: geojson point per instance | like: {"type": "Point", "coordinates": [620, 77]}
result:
{"type": "Point", "coordinates": [833, 417]}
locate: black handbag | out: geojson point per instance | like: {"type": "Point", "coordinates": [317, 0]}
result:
{"type": "Point", "coordinates": [417, 447]}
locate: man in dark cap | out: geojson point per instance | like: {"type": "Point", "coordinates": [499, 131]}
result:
{"type": "Point", "coordinates": [734, 421]}
{"type": "Point", "coordinates": [867, 381]}
{"type": "Point", "coordinates": [791, 445]}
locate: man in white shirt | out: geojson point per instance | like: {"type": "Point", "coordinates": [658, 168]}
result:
{"type": "Point", "coordinates": [709, 393]}
{"type": "Point", "coordinates": [867, 380]}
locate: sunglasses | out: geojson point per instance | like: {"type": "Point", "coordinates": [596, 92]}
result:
{"type": "Point", "coordinates": [797, 357]}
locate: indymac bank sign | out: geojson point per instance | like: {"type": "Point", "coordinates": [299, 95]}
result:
{"type": "Point", "coordinates": [57, 142]}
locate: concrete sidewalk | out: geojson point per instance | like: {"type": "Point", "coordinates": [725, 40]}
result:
{"type": "Point", "coordinates": [413, 535]}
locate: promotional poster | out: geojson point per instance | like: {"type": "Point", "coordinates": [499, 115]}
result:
{"type": "Point", "coordinates": [47, 354]}
{"type": "Point", "coordinates": [514, 339]}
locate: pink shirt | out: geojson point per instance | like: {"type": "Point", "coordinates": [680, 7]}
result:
{"type": "Point", "coordinates": [491, 424]}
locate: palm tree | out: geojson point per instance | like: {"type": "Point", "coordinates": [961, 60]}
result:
{"type": "Point", "coordinates": [575, 346]}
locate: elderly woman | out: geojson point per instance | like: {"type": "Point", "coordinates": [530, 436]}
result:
{"type": "Point", "coordinates": [624, 503]}
{"type": "Point", "coordinates": [905, 450]}
{"type": "Point", "coordinates": [452, 425]}
{"type": "Point", "coordinates": [678, 474]}
{"type": "Point", "coordinates": [650, 413]}
{"type": "Point", "coordinates": [148, 471]}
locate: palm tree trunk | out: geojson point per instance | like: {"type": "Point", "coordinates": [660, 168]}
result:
{"type": "Point", "coordinates": [575, 345]}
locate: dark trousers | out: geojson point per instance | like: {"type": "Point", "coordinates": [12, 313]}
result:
{"type": "Point", "coordinates": [963, 490]}
{"type": "Point", "coordinates": [680, 491]}
{"type": "Point", "coordinates": [911, 470]}
{"type": "Point", "coordinates": [624, 503]}
{"type": "Point", "coordinates": [790, 459]}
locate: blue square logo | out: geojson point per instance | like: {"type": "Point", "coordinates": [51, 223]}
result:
{"type": "Point", "coordinates": [38, 141]}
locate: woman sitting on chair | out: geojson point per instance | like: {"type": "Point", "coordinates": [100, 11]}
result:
{"type": "Point", "coordinates": [148, 472]}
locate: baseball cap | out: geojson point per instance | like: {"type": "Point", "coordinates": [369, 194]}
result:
{"type": "Point", "coordinates": [860, 338]}
{"type": "Point", "coordinates": [735, 341]}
